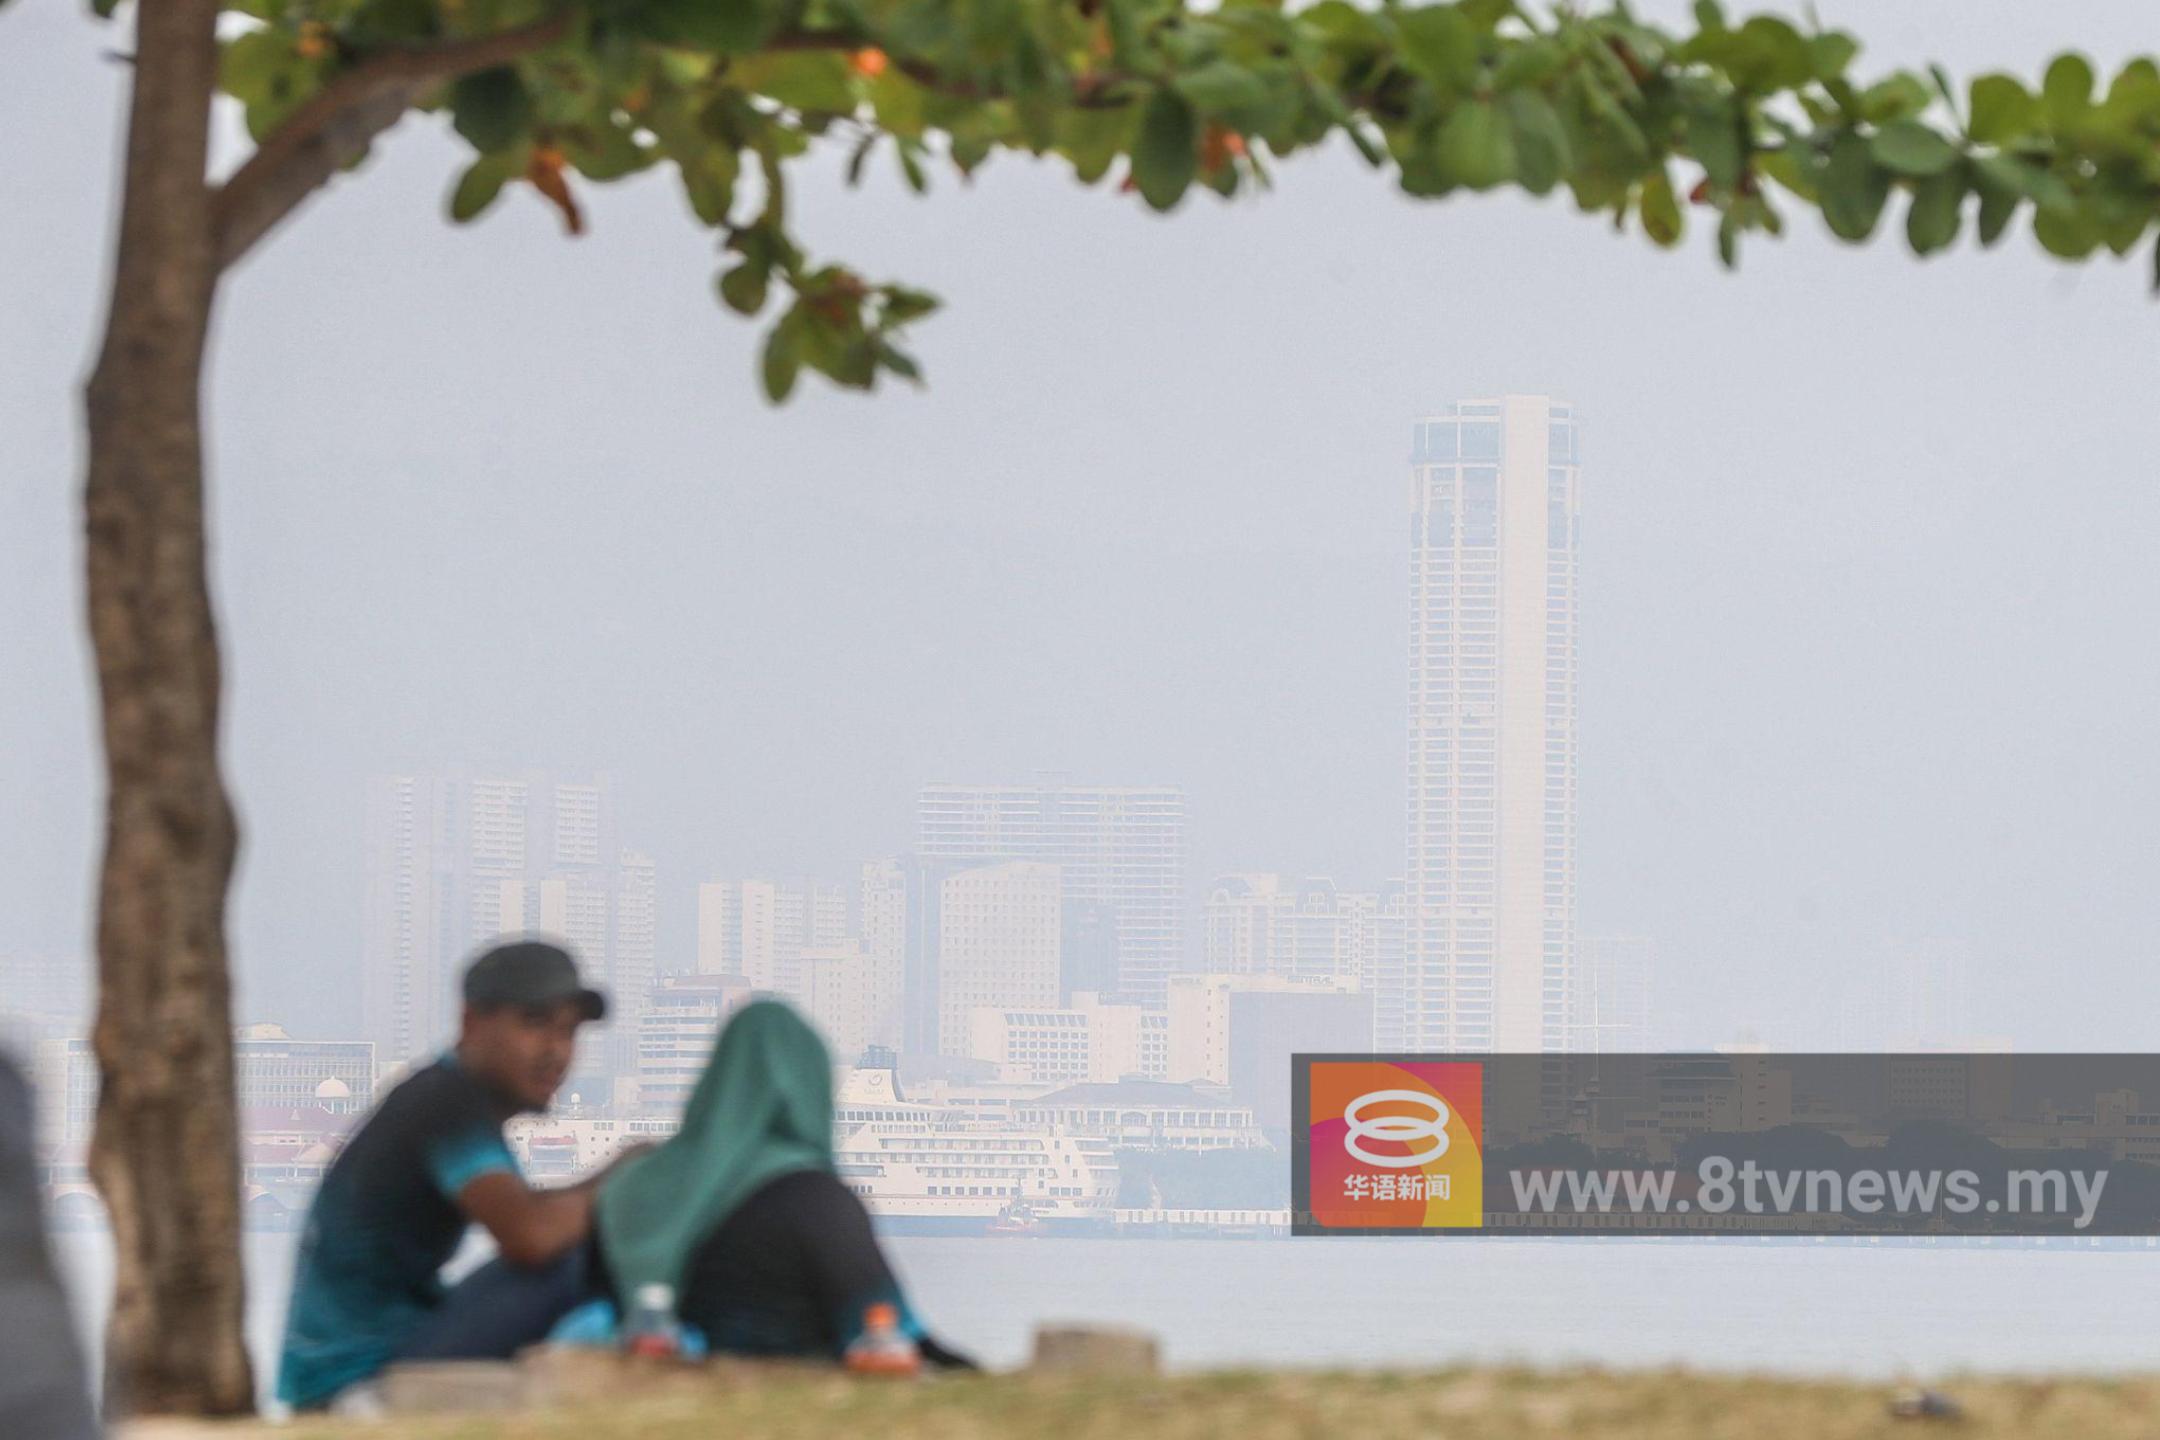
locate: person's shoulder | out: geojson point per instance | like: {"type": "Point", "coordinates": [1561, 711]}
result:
{"type": "Point", "coordinates": [440, 1090]}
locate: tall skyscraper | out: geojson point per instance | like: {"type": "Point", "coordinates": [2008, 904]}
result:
{"type": "Point", "coordinates": [1491, 878]}
{"type": "Point", "coordinates": [1120, 848]}
{"type": "Point", "coordinates": [455, 858]}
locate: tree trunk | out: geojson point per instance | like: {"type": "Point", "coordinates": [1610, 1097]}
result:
{"type": "Point", "coordinates": [166, 1149]}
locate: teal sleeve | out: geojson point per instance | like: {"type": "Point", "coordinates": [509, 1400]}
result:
{"type": "Point", "coordinates": [455, 1161]}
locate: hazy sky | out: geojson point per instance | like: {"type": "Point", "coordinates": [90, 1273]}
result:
{"type": "Point", "coordinates": [1868, 560]}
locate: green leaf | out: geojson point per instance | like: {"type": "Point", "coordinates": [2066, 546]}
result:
{"type": "Point", "coordinates": [2001, 111]}
{"type": "Point", "coordinates": [1528, 66]}
{"type": "Point", "coordinates": [482, 181]}
{"type": "Point", "coordinates": [911, 167]}
{"type": "Point", "coordinates": [1440, 45]}
{"type": "Point", "coordinates": [1092, 139]}
{"type": "Point", "coordinates": [1831, 52]}
{"type": "Point", "coordinates": [252, 65]}
{"type": "Point", "coordinates": [2045, 190]}
{"type": "Point", "coordinates": [2066, 92]}
{"type": "Point", "coordinates": [1932, 221]}
{"type": "Point", "coordinates": [1713, 137]}
{"type": "Point", "coordinates": [801, 80]}
{"type": "Point", "coordinates": [2133, 100]}
{"type": "Point", "coordinates": [1787, 170]}
{"type": "Point", "coordinates": [743, 288]}
{"type": "Point", "coordinates": [1372, 153]}
{"type": "Point", "coordinates": [1475, 147]}
{"type": "Point", "coordinates": [1220, 87]}
{"type": "Point", "coordinates": [1911, 148]}
{"type": "Point", "coordinates": [783, 359]}
{"type": "Point", "coordinates": [1854, 188]}
{"type": "Point", "coordinates": [1542, 159]}
{"type": "Point", "coordinates": [492, 109]}
{"type": "Point", "coordinates": [708, 176]}
{"type": "Point", "coordinates": [903, 305]}
{"type": "Point", "coordinates": [1660, 209]}
{"type": "Point", "coordinates": [1998, 201]}
{"type": "Point", "coordinates": [1900, 97]}
{"type": "Point", "coordinates": [1165, 157]}
{"type": "Point", "coordinates": [898, 361]}
{"type": "Point", "coordinates": [602, 152]}
{"type": "Point", "coordinates": [2070, 234]}
{"type": "Point", "coordinates": [898, 101]}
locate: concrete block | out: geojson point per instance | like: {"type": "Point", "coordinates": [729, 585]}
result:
{"type": "Point", "coordinates": [435, 1387]}
{"type": "Point", "coordinates": [1096, 1350]}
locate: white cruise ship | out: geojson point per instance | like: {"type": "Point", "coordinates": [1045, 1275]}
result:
{"type": "Point", "coordinates": [926, 1169]}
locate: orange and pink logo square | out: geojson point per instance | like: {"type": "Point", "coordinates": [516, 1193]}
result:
{"type": "Point", "coordinates": [1396, 1144]}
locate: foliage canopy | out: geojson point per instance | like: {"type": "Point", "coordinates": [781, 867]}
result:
{"type": "Point", "coordinates": [1739, 118]}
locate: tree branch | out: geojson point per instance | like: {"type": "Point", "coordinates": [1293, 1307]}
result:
{"type": "Point", "coordinates": [332, 129]}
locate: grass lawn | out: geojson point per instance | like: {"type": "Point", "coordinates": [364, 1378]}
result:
{"type": "Point", "coordinates": [1440, 1405]}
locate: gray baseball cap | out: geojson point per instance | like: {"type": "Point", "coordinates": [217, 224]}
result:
{"type": "Point", "coordinates": [530, 972]}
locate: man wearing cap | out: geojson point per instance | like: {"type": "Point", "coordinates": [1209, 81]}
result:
{"type": "Point", "coordinates": [427, 1163]}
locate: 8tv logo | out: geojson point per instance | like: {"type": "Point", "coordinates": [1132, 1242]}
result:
{"type": "Point", "coordinates": [1395, 1144]}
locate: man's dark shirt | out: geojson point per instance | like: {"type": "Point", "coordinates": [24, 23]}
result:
{"type": "Point", "coordinates": [383, 1225]}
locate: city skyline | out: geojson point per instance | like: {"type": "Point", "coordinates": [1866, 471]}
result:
{"type": "Point", "coordinates": [1865, 661]}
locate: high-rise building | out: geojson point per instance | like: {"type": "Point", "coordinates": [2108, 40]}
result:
{"type": "Point", "coordinates": [1492, 712]}
{"type": "Point", "coordinates": [1123, 849]}
{"type": "Point", "coordinates": [899, 908]}
{"type": "Point", "coordinates": [457, 858]}
{"type": "Point", "coordinates": [1262, 924]}
{"type": "Point", "coordinates": [760, 928]}
{"type": "Point", "coordinates": [852, 995]}
{"type": "Point", "coordinates": [999, 928]}
{"type": "Point", "coordinates": [675, 1043]}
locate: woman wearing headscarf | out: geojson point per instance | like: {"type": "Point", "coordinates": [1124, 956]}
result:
{"type": "Point", "coordinates": [740, 1221]}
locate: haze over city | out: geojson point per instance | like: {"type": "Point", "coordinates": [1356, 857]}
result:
{"type": "Point", "coordinates": [1863, 588]}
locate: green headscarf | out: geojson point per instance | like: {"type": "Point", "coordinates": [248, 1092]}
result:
{"type": "Point", "coordinates": [762, 1109]}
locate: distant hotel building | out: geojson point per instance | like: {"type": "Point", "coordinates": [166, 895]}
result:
{"type": "Point", "coordinates": [676, 1040]}
{"type": "Point", "coordinates": [1491, 874]}
{"type": "Point", "coordinates": [1262, 924]}
{"type": "Point", "coordinates": [1120, 854]}
{"type": "Point", "coordinates": [1089, 1040]}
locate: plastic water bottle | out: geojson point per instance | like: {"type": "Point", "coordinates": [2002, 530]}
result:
{"type": "Point", "coordinates": [882, 1349]}
{"type": "Point", "coordinates": [652, 1328]}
